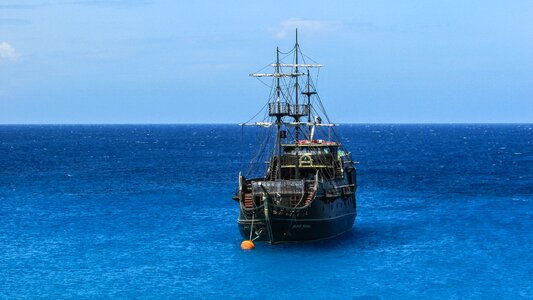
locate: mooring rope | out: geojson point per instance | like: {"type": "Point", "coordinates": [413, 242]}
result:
{"type": "Point", "coordinates": [252, 227]}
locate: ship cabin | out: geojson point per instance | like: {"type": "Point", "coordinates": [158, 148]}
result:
{"type": "Point", "coordinates": [303, 160]}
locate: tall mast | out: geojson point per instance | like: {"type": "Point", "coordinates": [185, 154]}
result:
{"type": "Point", "coordinates": [278, 118]}
{"type": "Point", "coordinates": [309, 105]}
{"type": "Point", "coordinates": [308, 93]}
{"type": "Point", "coordinates": [297, 116]}
{"type": "Point", "coordinates": [308, 99]}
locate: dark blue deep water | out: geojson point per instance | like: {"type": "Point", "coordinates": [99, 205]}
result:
{"type": "Point", "coordinates": [444, 211]}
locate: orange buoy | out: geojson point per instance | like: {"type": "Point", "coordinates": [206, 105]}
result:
{"type": "Point", "coordinates": [247, 245]}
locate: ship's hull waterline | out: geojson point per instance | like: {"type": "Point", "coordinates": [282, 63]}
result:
{"type": "Point", "coordinates": [321, 220]}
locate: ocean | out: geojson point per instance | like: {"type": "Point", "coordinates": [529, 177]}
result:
{"type": "Point", "coordinates": [145, 211]}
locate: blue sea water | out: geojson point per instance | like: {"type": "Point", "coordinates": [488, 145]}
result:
{"type": "Point", "coordinates": [145, 211]}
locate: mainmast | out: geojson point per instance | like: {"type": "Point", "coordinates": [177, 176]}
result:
{"type": "Point", "coordinates": [308, 93]}
{"type": "Point", "coordinates": [297, 115]}
{"type": "Point", "coordinates": [278, 118]}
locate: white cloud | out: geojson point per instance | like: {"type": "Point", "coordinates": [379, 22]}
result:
{"type": "Point", "coordinates": [7, 52]}
{"type": "Point", "coordinates": [287, 27]}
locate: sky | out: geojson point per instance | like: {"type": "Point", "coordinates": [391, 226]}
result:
{"type": "Point", "coordinates": [143, 61]}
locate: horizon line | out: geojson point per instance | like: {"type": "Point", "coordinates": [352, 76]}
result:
{"type": "Point", "coordinates": [237, 124]}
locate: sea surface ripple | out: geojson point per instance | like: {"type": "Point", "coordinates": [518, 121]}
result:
{"type": "Point", "coordinates": [145, 211]}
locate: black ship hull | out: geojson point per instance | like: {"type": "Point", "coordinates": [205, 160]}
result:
{"type": "Point", "coordinates": [323, 219]}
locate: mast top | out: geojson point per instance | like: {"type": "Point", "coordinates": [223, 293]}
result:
{"type": "Point", "coordinates": [286, 102]}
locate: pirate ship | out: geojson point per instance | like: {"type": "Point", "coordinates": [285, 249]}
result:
{"type": "Point", "coordinates": [306, 188]}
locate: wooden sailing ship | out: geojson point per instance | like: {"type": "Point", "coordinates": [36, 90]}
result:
{"type": "Point", "coordinates": [307, 189]}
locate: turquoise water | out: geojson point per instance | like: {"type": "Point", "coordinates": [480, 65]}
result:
{"type": "Point", "coordinates": [444, 211]}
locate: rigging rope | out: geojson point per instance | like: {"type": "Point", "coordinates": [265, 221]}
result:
{"type": "Point", "coordinates": [252, 226]}
{"type": "Point", "coordinates": [287, 89]}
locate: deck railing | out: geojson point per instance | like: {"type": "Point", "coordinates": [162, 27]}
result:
{"type": "Point", "coordinates": [279, 108]}
{"type": "Point", "coordinates": [299, 110]}
{"type": "Point", "coordinates": [284, 187]}
{"type": "Point", "coordinates": [323, 160]}
{"type": "Point", "coordinates": [285, 109]}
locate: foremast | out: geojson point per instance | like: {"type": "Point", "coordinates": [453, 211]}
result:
{"type": "Point", "coordinates": [279, 117]}
{"type": "Point", "coordinates": [296, 116]}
